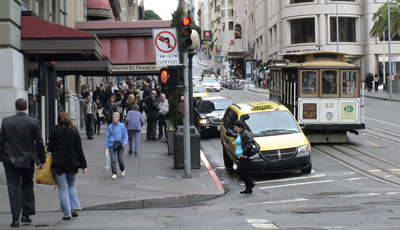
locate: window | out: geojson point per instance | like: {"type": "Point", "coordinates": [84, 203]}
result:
{"type": "Point", "coordinates": [347, 29]}
{"type": "Point", "coordinates": [229, 119]}
{"type": "Point", "coordinates": [349, 80]}
{"type": "Point", "coordinates": [308, 82]}
{"type": "Point", "coordinates": [300, 1]}
{"type": "Point", "coordinates": [303, 30]}
{"type": "Point", "coordinates": [230, 25]}
{"type": "Point", "coordinates": [329, 82]}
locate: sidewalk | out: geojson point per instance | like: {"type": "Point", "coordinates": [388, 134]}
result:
{"type": "Point", "coordinates": [150, 180]}
{"type": "Point", "coordinates": [204, 60]}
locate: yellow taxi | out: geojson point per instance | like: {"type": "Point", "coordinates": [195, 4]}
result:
{"type": "Point", "coordinates": [199, 92]}
{"type": "Point", "coordinates": [284, 147]}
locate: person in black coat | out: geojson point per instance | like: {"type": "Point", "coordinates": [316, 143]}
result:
{"type": "Point", "coordinates": [66, 146]}
{"type": "Point", "coordinates": [151, 108]}
{"type": "Point", "coordinates": [244, 143]}
{"type": "Point", "coordinates": [21, 147]}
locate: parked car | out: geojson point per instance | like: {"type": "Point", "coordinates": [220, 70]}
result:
{"type": "Point", "coordinates": [209, 112]}
{"type": "Point", "coordinates": [247, 84]}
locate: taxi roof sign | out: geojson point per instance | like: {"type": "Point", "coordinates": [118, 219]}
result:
{"type": "Point", "coordinates": [262, 107]}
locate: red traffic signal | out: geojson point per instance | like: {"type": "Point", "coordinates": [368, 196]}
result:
{"type": "Point", "coordinates": [186, 30]}
{"type": "Point", "coordinates": [169, 76]}
{"type": "Point", "coordinates": [186, 21]}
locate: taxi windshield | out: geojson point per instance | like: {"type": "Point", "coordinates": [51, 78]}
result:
{"type": "Point", "coordinates": [271, 123]}
{"type": "Point", "coordinates": [198, 89]}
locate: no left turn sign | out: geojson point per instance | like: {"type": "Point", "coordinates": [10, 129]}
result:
{"type": "Point", "coordinates": [165, 46]}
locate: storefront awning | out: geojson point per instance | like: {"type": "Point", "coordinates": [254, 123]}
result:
{"type": "Point", "coordinates": [47, 41]}
{"type": "Point", "coordinates": [86, 68]}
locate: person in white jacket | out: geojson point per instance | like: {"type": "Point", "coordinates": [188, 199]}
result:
{"type": "Point", "coordinates": [163, 116]}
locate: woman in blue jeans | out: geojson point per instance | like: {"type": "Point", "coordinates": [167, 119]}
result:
{"type": "Point", "coordinates": [134, 122]}
{"type": "Point", "coordinates": [116, 131]}
{"type": "Point", "coordinates": [66, 147]}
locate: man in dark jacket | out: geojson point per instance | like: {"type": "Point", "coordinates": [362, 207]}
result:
{"type": "Point", "coordinates": [21, 146]}
{"type": "Point", "coordinates": [101, 94]}
{"type": "Point", "coordinates": [151, 109]}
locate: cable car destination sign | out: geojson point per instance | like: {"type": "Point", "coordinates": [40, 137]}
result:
{"type": "Point", "coordinates": [166, 47]}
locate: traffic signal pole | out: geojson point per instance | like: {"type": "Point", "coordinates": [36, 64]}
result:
{"type": "Point", "coordinates": [186, 119]}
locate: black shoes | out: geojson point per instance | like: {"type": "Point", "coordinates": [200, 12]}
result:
{"type": "Point", "coordinates": [248, 190]}
{"type": "Point", "coordinates": [74, 213]}
{"type": "Point", "coordinates": [26, 219]}
{"type": "Point", "coordinates": [66, 217]}
{"type": "Point", "coordinates": [15, 224]}
{"type": "Point", "coordinates": [130, 152]}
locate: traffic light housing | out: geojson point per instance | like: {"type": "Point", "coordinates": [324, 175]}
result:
{"type": "Point", "coordinates": [169, 76]}
{"type": "Point", "coordinates": [186, 31]}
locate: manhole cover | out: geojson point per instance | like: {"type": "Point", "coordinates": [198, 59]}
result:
{"type": "Point", "coordinates": [326, 209]}
{"type": "Point", "coordinates": [334, 193]}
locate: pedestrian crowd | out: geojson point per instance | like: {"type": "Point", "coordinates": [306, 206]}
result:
{"type": "Point", "coordinates": [120, 106]}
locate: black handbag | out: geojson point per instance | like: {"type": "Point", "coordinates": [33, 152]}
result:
{"type": "Point", "coordinates": [117, 145]}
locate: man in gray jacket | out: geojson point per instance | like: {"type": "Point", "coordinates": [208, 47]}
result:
{"type": "Point", "coordinates": [21, 147]}
{"type": "Point", "coordinates": [89, 110]}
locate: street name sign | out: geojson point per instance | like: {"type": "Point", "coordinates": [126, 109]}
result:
{"type": "Point", "coordinates": [166, 47]}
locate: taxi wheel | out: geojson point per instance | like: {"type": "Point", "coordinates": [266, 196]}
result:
{"type": "Point", "coordinates": [227, 161]}
{"type": "Point", "coordinates": [307, 170]}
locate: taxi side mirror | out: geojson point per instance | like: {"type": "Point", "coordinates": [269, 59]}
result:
{"type": "Point", "coordinates": [244, 117]}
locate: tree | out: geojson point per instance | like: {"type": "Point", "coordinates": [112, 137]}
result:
{"type": "Point", "coordinates": [381, 20]}
{"type": "Point", "coordinates": [151, 15]}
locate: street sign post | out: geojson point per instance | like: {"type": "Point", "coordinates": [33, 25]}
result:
{"type": "Point", "coordinates": [166, 47]}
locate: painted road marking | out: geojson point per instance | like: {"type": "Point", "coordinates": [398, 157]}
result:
{"type": "Point", "coordinates": [372, 144]}
{"type": "Point", "coordinates": [260, 223]}
{"type": "Point", "coordinates": [297, 184]}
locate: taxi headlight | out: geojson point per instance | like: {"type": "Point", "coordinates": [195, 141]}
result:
{"type": "Point", "coordinates": [303, 151]}
{"type": "Point", "coordinates": [203, 121]}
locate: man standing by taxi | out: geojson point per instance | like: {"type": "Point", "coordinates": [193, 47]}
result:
{"type": "Point", "coordinates": [21, 147]}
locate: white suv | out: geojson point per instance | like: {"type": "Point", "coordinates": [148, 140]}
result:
{"type": "Point", "coordinates": [211, 84]}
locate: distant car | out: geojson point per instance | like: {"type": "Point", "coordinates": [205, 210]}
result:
{"type": "Point", "coordinates": [209, 112]}
{"type": "Point", "coordinates": [199, 92]}
{"type": "Point", "coordinates": [211, 84]}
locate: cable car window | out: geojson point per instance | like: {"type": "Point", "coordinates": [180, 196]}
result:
{"type": "Point", "coordinates": [329, 82]}
{"type": "Point", "coordinates": [349, 79]}
{"type": "Point", "coordinates": [308, 82]}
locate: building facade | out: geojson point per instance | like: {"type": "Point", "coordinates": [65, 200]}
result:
{"type": "Point", "coordinates": [270, 28]}
{"type": "Point", "coordinates": [39, 47]}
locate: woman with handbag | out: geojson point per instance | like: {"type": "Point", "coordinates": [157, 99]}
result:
{"type": "Point", "coordinates": [66, 147]}
{"type": "Point", "coordinates": [116, 140]}
{"type": "Point", "coordinates": [244, 143]}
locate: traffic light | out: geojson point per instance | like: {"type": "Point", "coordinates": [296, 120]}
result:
{"type": "Point", "coordinates": [186, 28]}
{"type": "Point", "coordinates": [169, 76]}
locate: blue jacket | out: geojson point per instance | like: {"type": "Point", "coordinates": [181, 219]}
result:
{"type": "Point", "coordinates": [120, 134]}
{"type": "Point", "coordinates": [134, 120]}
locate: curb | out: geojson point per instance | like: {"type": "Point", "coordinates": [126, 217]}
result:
{"type": "Point", "coordinates": [168, 201]}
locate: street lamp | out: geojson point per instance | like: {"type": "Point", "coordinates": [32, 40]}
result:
{"type": "Point", "coordinates": [337, 26]}
{"type": "Point", "coordinates": [390, 52]}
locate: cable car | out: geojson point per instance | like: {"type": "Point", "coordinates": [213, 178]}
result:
{"type": "Point", "coordinates": [323, 91]}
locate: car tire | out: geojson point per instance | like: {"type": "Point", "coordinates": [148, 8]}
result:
{"type": "Point", "coordinates": [307, 170]}
{"type": "Point", "coordinates": [228, 163]}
